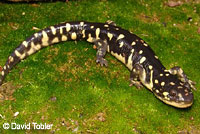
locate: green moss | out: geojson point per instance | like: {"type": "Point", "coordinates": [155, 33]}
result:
{"type": "Point", "coordinates": [64, 86]}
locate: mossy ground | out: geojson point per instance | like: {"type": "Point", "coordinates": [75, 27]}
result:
{"type": "Point", "coordinates": [63, 86]}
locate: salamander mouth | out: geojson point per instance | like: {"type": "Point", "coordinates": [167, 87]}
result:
{"type": "Point", "coordinates": [178, 104]}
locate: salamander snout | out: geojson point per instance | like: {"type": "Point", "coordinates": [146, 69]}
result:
{"type": "Point", "coordinates": [176, 95]}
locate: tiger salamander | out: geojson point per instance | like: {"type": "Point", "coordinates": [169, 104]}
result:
{"type": "Point", "coordinates": [170, 86]}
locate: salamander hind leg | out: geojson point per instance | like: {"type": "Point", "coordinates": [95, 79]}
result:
{"type": "Point", "coordinates": [134, 76]}
{"type": "Point", "coordinates": [183, 77]}
{"type": "Point", "coordinates": [101, 52]}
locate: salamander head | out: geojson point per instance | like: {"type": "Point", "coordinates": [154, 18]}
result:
{"type": "Point", "coordinates": [173, 92]}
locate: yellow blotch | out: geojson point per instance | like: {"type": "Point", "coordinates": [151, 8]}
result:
{"type": "Point", "coordinates": [45, 39]}
{"type": "Point", "coordinates": [53, 30]}
{"type": "Point", "coordinates": [90, 39]}
{"type": "Point", "coordinates": [142, 60]}
{"type": "Point", "coordinates": [11, 59]}
{"type": "Point", "coordinates": [73, 36]}
{"type": "Point", "coordinates": [55, 40]}
{"type": "Point", "coordinates": [32, 49]}
{"type": "Point", "coordinates": [121, 44]}
{"type": "Point", "coordinates": [156, 81]}
{"type": "Point", "coordinates": [81, 23]}
{"type": "Point", "coordinates": [64, 38]}
{"type": "Point", "coordinates": [162, 83]}
{"type": "Point", "coordinates": [133, 43]}
{"type": "Point", "coordinates": [21, 56]}
{"type": "Point", "coordinates": [110, 36]}
{"type": "Point", "coordinates": [97, 33]}
{"type": "Point", "coordinates": [25, 43]}
{"type": "Point", "coordinates": [68, 27]}
{"type": "Point", "coordinates": [121, 36]}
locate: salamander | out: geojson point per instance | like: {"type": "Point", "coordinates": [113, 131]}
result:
{"type": "Point", "coordinates": [170, 86]}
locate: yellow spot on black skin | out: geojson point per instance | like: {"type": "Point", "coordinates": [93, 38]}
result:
{"type": "Point", "coordinates": [53, 30]}
{"type": "Point", "coordinates": [90, 39]}
{"type": "Point", "coordinates": [172, 83]}
{"type": "Point", "coordinates": [106, 25]}
{"type": "Point", "coordinates": [37, 47]}
{"type": "Point", "coordinates": [110, 36]}
{"type": "Point", "coordinates": [173, 72]}
{"type": "Point", "coordinates": [21, 56]}
{"type": "Point", "coordinates": [180, 71]}
{"type": "Point", "coordinates": [121, 36]}
{"type": "Point", "coordinates": [142, 60]}
{"type": "Point", "coordinates": [129, 64]}
{"type": "Point", "coordinates": [61, 30]}
{"type": "Point", "coordinates": [145, 44]}
{"type": "Point", "coordinates": [83, 32]}
{"type": "Point", "coordinates": [25, 44]}
{"type": "Point", "coordinates": [156, 81]}
{"type": "Point", "coordinates": [150, 67]}
{"type": "Point", "coordinates": [166, 74]}
{"type": "Point", "coordinates": [92, 27]}
{"type": "Point", "coordinates": [73, 36]}
{"type": "Point", "coordinates": [55, 40]}
{"type": "Point", "coordinates": [36, 35]}
{"type": "Point", "coordinates": [121, 44]}
{"type": "Point", "coordinates": [161, 74]}
{"type": "Point", "coordinates": [118, 56]}
{"type": "Point", "coordinates": [97, 33]}
{"type": "Point", "coordinates": [162, 83]}
{"type": "Point", "coordinates": [149, 85]}
{"type": "Point", "coordinates": [32, 49]}
{"type": "Point", "coordinates": [45, 39]}
{"type": "Point", "coordinates": [68, 27]}
{"type": "Point", "coordinates": [99, 44]}
{"type": "Point", "coordinates": [133, 43]}
{"type": "Point", "coordinates": [167, 98]}
{"type": "Point", "coordinates": [81, 23]}
{"type": "Point", "coordinates": [165, 93]}
{"type": "Point", "coordinates": [11, 59]}
{"type": "Point", "coordinates": [64, 38]}
{"type": "Point", "coordinates": [182, 79]}
{"type": "Point", "coordinates": [140, 52]}
{"type": "Point", "coordinates": [180, 97]}
{"type": "Point", "coordinates": [108, 48]}
{"type": "Point", "coordinates": [2, 73]}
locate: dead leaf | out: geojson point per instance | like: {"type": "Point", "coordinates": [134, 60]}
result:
{"type": "Point", "coordinates": [35, 28]}
{"type": "Point", "coordinates": [172, 3]}
{"type": "Point", "coordinates": [198, 31]}
{"type": "Point", "coordinates": [13, 25]}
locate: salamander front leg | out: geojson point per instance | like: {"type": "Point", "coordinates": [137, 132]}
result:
{"type": "Point", "coordinates": [101, 52]}
{"type": "Point", "coordinates": [183, 77]}
{"type": "Point", "coordinates": [134, 76]}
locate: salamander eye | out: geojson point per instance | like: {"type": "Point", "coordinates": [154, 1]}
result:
{"type": "Point", "coordinates": [173, 92]}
